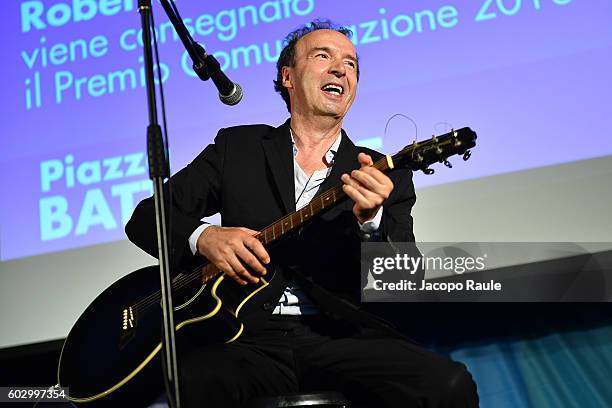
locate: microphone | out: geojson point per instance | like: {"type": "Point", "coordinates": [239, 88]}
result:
{"type": "Point", "coordinates": [207, 66]}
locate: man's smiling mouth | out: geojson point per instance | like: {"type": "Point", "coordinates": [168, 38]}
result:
{"type": "Point", "coordinates": [333, 89]}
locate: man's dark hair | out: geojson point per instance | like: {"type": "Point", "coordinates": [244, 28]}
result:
{"type": "Point", "coordinates": [287, 55]}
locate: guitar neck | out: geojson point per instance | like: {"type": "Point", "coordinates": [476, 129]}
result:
{"type": "Point", "coordinates": [416, 156]}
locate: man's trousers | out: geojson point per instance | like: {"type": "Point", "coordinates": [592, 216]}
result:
{"type": "Point", "coordinates": [311, 353]}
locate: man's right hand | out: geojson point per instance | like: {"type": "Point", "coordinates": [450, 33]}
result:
{"type": "Point", "coordinates": [231, 249]}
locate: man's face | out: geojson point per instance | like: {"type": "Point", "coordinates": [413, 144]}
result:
{"type": "Point", "coordinates": [323, 80]}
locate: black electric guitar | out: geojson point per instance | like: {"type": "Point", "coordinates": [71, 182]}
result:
{"type": "Point", "coordinates": [111, 355]}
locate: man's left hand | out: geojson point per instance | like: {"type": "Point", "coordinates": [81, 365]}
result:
{"type": "Point", "coordinates": [368, 187]}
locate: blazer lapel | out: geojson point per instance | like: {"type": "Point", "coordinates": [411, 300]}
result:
{"type": "Point", "coordinates": [279, 155]}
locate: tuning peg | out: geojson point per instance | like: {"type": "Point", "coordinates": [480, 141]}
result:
{"type": "Point", "coordinates": [455, 137]}
{"type": "Point", "coordinates": [434, 140]}
{"type": "Point", "coordinates": [428, 171]}
{"type": "Point", "coordinates": [448, 164]}
{"type": "Point", "coordinates": [467, 155]}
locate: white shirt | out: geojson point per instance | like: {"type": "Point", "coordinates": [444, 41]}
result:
{"type": "Point", "coordinates": [294, 301]}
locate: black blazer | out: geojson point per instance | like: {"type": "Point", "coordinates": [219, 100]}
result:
{"type": "Point", "coordinates": [247, 176]}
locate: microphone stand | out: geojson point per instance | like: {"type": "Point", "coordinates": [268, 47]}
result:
{"type": "Point", "coordinates": [204, 65]}
{"type": "Point", "coordinates": [158, 171]}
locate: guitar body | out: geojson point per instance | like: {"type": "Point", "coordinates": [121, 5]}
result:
{"type": "Point", "coordinates": [116, 342]}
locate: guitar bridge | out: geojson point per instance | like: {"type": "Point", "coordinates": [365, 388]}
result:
{"type": "Point", "coordinates": [128, 324]}
{"type": "Point", "coordinates": [128, 321]}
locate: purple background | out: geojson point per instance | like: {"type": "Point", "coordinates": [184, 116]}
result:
{"type": "Point", "coordinates": [534, 86]}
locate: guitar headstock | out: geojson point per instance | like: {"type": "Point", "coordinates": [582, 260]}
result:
{"type": "Point", "coordinates": [420, 155]}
